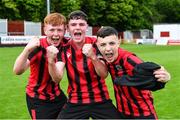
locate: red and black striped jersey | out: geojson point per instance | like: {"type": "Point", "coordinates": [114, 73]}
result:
{"type": "Point", "coordinates": [130, 100]}
{"type": "Point", "coordinates": [40, 84]}
{"type": "Point", "coordinates": [85, 86]}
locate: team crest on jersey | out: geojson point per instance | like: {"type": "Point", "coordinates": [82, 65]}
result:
{"type": "Point", "coordinates": [68, 55]}
{"type": "Point", "coordinates": [118, 67]}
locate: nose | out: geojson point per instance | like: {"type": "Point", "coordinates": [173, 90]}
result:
{"type": "Point", "coordinates": [56, 32]}
{"type": "Point", "coordinates": [108, 47]}
{"type": "Point", "coordinates": [77, 26]}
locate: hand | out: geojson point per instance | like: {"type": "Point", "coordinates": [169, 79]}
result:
{"type": "Point", "coordinates": [88, 51]}
{"type": "Point", "coordinates": [51, 53]}
{"type": "Point", "coordinates": [32, 44]}
{"type": "Point", "coordinates": [162, 75]}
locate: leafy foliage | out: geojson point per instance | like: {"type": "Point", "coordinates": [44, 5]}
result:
{"type": "Point", "coordinates": [169, 10]}
{"type": "Point", "coordinates": [121, 14]}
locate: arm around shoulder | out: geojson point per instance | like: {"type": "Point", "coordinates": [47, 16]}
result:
{"type": "Point", "coordinates": [162, 75]}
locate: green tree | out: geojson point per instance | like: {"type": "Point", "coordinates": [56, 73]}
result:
{"type": "Point", "coordinates": [95, 9]}
{"type": "Point", "coordinates": [9, 10]}
{"type": "Point", "coordinates": [121, 14]}
{"type": "Point", "coordinates": [142, 16]}
{"type": "Point", "coordinates": [66, 6]}
{"type": "Point", "coordinates": [30, 10]}
{"type": "Point", "coordinates": [169, 10]}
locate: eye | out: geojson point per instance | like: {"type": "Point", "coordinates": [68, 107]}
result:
{"type": "Point", "coordinates": [73, 24]}
{"type": "Point", "coordinates": [82, 24]}
{"type": "Point", "coordinates": [102, 44]}
{"type": "Point", "coordinates": [59, 30]}
{"type": "Point", "coordinates": [51, 30]}
{"type": "Point", "coordinates": [112, 43]}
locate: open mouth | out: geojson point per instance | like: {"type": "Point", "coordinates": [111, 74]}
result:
{"type": "Point", "coordinates": [55, 39]}
{"type": "Point", "coordinates": [77, 34]}
{"type": "Point", "coordinates": [109, 56]}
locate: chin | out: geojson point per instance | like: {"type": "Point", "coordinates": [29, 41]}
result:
{"type": "Point", "coordinates": [109, 60]}
{"type": "Point", "coordinates": [55, 45]}
{"type": "Point", "coordinates": [78, 40]}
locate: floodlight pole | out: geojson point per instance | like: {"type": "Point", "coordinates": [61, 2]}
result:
{"type": "Point", "coordinates": [48, 6]}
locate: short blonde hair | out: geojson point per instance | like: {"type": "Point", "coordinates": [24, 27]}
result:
{"type": "Point", "coordinates": [55, 19]}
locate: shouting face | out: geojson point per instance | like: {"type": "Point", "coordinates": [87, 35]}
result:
{"type": "Point", "coordinates": [77, 29]}
{"type": "Point", "coordinates": [108, 47]}
{"type": "Point", "coordinates": [54, 33]}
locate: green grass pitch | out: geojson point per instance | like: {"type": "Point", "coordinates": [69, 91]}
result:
{"type": "Point", "coordinates": [167, 101]}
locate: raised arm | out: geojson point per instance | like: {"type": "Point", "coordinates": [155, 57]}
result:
{"type": "Point", "coordinates": [99, 65]}
{"type": "Point", "coordinates": [56, 69]}
{"type": "Point", "coordinates": [22, 62]}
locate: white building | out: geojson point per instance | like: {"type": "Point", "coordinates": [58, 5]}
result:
{"type": "Point", "coordinates": [166, 33]}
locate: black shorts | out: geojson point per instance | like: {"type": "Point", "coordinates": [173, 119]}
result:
{"type": "Point", "coordinates": [41, 109]}
{"type": "Point", "coordinates": [150, 117]}
{"type": "Point", "coordinates": [101, 110]}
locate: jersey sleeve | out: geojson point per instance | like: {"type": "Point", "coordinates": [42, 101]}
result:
{"type": "Point", "coordinates": [130, 60]}
{"type": "Point", "coordinates": [61, 55]}
{"type": "Point", "coordinates": [33, 53]}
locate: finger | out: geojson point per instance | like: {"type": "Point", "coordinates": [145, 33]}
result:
{"type": "Point", "coordinates": [162, 68]}
{"type": "Point", "coordinates": [162, 80]}
{"type": "Point", "coordinates": [85, 53]}
{"type": "Point", "coordinates": [56, 50]}
{"type": "Point", "coordinates": [52, 49]}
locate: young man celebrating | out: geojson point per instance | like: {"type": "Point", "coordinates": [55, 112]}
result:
{"type": "Point", "coordinates": [88, 95]}
{"type": "Point", "coordinates": [44, 97]}
{"type": "Point", "coordinates": [132, 102]}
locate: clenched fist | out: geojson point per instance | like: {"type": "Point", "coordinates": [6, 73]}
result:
{"type": "Point", "coordinates": [32, 44]}
{"type": "Point", "coordinates": [88, 51]}
{"type": "Point", "coordinates": [51, 53]}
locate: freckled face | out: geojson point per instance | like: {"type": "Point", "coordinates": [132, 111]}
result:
{"type": "Point", "coordinates": [54, 34]}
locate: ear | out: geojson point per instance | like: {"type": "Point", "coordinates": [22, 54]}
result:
{"type": "Point", "coordinates": [67, 28]}
{"type": "Point", "coordinates": [87, 26]}
{"type": "Point", "coordinates": [119, 40]}
{"type": "Point", "coordinates": [44, 28]}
